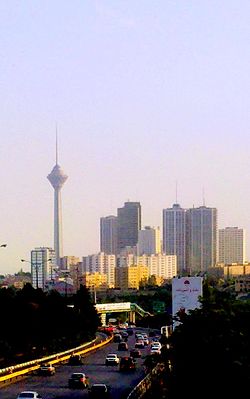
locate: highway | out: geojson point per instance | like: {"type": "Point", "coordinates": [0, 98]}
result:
{"type": "Point", "coordinates": [56, 387]}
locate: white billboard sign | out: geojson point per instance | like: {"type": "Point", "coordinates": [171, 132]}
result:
{"type": "Point", "coordinates": [185, 294]}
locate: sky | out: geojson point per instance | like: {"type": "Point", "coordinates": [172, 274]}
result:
{"type": "Point", "coordinates": [144, 94]}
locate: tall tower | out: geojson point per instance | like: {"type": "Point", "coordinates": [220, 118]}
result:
{"type": "Point", "coordinates": [232, 245]}
{"type": "Point", "coordinates": [201, 233]}
{"type": "Point", "coordinates": [57, 179]}
{"type": "Point", "coordinates": [108, 234]}
{"type": "Point", "coordinates": [174, 235]}
{"type": "Point", "coordinates": [128, 225]}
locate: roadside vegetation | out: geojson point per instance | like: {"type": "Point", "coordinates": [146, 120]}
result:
{"type": "Point", "coordinates": [209, 351]}
{"type": "Point", "coordinates": [36, 323]}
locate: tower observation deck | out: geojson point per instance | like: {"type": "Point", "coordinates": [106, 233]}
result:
{"type": "Point", "coordinates": [57, 179]}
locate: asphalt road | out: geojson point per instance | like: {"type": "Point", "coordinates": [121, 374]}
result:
{"type": "Point", "coordinates": [56, 387]}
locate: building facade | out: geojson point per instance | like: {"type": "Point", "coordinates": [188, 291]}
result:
{"type": "Point", "coordinates": [130, 277]}
{"type": "Point", "coordinates": [174, 235]}
{"type": "Point", "coordinates": [232, 245]}
{"type": "Point", "coordinates": [149, 241]}
{"type": "Point", "coordinates": [43, 266]}
{"type": "Point", "coordinates": [108, 234]}
{"type": "Point", "coordinates": [201, 239]}
{"type": "Point", "coordinates": [101, 263]}
{"type": "Point", "coordinates": [160, 265]}
{"type": "Point", "coordinates": [128, 225]}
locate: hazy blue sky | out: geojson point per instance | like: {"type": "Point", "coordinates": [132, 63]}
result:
{"type": "Point", "coordinates": [145, 93]}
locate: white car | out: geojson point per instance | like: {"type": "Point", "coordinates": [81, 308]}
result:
{"type": "Point", "coordinates": [29, 395]}
{"type": "Point", "coordinates": [154, 350]}
{"type": "Point", "coordinates": [112, 359]}
{"type": "Point", "coordinates": [156, 345]}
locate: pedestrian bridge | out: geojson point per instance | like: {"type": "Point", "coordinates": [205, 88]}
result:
{"type": "Point", "coordinates": [118, 307]}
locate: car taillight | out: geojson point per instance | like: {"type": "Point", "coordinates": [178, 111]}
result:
{"type": "Point", "coordinates": [81, 379]}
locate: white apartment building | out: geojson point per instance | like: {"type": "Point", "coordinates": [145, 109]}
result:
{"type": "Point", "coordinates": [160, 265]}
{"type": "Point", "coordinates": [101, 263]}
{"type": "Point", "coordinates": [232, 245]}
{"type": "Point", "coordinates": [43, 266]}
{"type": "Point", "coordinates": [149, 241]}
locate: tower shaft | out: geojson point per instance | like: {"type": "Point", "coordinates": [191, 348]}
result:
{"type": "Point", "coordinates": [58, 226]}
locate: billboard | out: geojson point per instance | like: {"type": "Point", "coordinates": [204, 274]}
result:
{"type": "Point", "coordinates": [185, 294]}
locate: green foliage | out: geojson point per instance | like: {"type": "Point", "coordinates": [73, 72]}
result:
{"type": "Point", "coordinates": [211, 347]}
{"type": "Point", "coordinates": [38, 323]}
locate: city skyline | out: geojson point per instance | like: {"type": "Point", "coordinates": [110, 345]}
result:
{"type": "Point", "coordinates": [143, 97]}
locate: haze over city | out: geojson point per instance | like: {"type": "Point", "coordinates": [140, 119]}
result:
{"type": "Point", "coordinates": [144, 94]}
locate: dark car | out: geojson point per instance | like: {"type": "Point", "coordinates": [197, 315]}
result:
{"type": "Point", "coordinates": [130, 331]}
{"type": "Point", "coordinates": [97, 391]}
{"type": "Point", "coordinates": [78, 380]}
{"type": "Point", "coordinates": [75, 360]}
{"type": "Point", "coordinates": [135, 353]}
{"type": "Point", "coordinates": [127, 363]}
{"type": "Point", "coordinates": [46, 369]}
{"type": "Point", "coordinates": [117, 338]}
{"type": "Point", "coordinates": [122, 346]}
{"type": "Point", "coordinates": [124, 335]}
{"type": "Point", "coordinates": [140, 344]}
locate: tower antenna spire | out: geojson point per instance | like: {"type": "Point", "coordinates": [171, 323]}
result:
{"type": "Point", "coordinates": [176, 189]}
{"type": "Point", "coordinates": [56, 146]}
{"type": "Point", "coordinates": [203, 196]}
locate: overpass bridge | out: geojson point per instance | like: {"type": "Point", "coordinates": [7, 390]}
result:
{"type": "Point", "coordinates": [118, 307]}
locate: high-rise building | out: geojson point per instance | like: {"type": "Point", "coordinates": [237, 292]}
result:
{"type": "Point", "coordinates": [108, 234]}
{"type": "Point", "coordinates": [101, 263]}
{"type": "Point", "coordinates": [43, 264]}
{"type": "Point", "coordinates": [174, 235]}
{"type": "Point", "coordinates": [149, 241]}
{"type": "Point", "coordinates": [128, 225]}
{"type": "Point", "coordinates": [57, 178]}
{"type": "Point", "coordinates": [232, 245]}
{"type": "Point", "coordinates": [201, 239]}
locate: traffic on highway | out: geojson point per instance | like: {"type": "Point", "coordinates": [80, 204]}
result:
{"type": "Point", "coordinates": [112, 372]}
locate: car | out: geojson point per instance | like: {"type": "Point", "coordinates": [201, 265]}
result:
{"type": "Point", "coordinates": [46, 369]}
{"type": "Point", "coordinates": [124, 335]}
{"type": "Point", "coordinates": [97, 391]}
{"type": "Point", "coordinates": [75, 360]}
{"type": "Point", "coordinates": [145, 339]}
{"type": "Point", "coordinates": [117, 338]}
{"type": "Point", "coordinates": [112, 359]}
{"type": "Point", "coordinates": [155, 350]}
{"type": "Point", "coordinates": [29, 395]}
{"type": "Point", "coordinates": [135, 353]}
{"type": "Point", "coordinates": [139, 344]}
{"type": "Point", "coordinates": [122, 346]}
{"type": "Point", "coordinates": [127, 363]}
{"type": "Point", "coordinates": [78, 380]}
{"type": "Point", "coordinates": [156, 345]}
{"type": "Point", "coordinates": [138, 336]}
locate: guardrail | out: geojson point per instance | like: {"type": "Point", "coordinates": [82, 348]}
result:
{"type": "Point", "coordinates": [141, 389]}
{"type": "Point", "coordinates": [13, 372]}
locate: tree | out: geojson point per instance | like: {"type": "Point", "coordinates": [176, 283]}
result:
{"type": "Point", "coordinates": [210, 348]}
